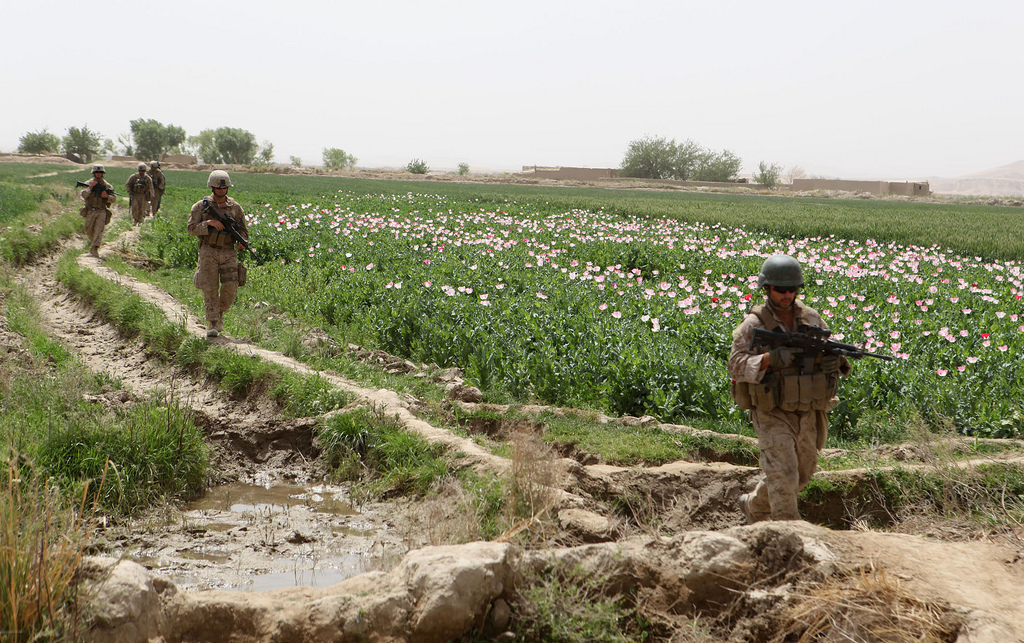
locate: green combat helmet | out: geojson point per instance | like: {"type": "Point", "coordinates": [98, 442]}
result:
{"type": "Point", "coordinates": [781, 270]}
{"type": "Point", "coordinates": [142, 167]}
{"type": "Point", "coordinates": [98, 168]}
{"type": "Point", "coordinates": [218, 179]}
{"type": "Point", "coordinates": [154, 164]}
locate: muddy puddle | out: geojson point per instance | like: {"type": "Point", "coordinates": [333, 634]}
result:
{"type": "Point", "coordinates": [253, 537]}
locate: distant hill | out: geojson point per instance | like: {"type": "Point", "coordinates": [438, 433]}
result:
{"type": "Point", "coordinates": [1007, 180]}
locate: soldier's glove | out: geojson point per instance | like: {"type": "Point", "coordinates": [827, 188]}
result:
{"type": "Point", "coordinates": [783, 356]}
{"type": "Point", "coordinates": [830, 364]}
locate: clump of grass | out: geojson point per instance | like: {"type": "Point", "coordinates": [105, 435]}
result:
{"type": "Point", "coordinates": [42, 540]}
{"type": "Point", "coordinates": [869, 605]}
{"type": "Point", "coordinates": [148, 451]}
{"type": "Point", "coordinates": [569, 604]}
{"type": "Point", "coordinates": [367, 446]}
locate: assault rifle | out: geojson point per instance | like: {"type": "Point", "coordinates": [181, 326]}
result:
{"type": "Point", "coordinates": [81, 184]}
{"type": "Point", "coordinates": [813, 340]}
{"type": "Point", "coordinates": [229, 225]}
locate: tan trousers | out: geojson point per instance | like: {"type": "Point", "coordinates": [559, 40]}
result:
{"type": "Point", "coordinates": [95, 223]}
{"type": "Point", "coordinates": [789, 457]}
{"type": "Point", "coordinates": [217, 277]}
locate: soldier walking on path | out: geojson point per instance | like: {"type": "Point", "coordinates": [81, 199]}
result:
{"type": "Point", "coordinates": [159, 186]}
{"type": "Point", "coordinates": [218, 272]}
{"type": "Point", "coordinates": [98, 196]}
{"type": "Point", "coordinates": [140, 191]}
{"type": "Point", "coordinates": [788, 394]}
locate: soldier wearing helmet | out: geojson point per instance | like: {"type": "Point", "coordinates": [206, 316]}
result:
{"type": "Point", "coordinates": [159, 186]}
{"type": "Point", "coordinates": [98, 196]}
{"type": "Point", "coordinates": [140, 192]}
{"type": "Point", "coordinates": [219, 270]}
{"type": "Point", "coordinates": [788, 396]}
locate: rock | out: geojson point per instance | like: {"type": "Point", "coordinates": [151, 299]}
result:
{"type": "Point", "coordinates": [125, 600]}
{"type": "Point", "coordinates": [501, 614]}
{"type": "Point", "coordinates": [464, 393]}
{"type": "Point", "coordinates": [585, 525]}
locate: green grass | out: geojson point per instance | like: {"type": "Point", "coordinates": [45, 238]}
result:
{"type": "Point", "coordinates": [367, 446]}
{"type": "Point", "coordinates": [54, 418]}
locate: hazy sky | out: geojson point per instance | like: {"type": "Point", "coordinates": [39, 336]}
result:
{"type": "Point", "coordinates": [881, 90]}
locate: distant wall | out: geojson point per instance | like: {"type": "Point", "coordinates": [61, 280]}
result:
{"type": "Point", "coordinates": [576, 173]}
{"type": "Point", "coordinates": [879, 188]}
{"type": "Point", "coordinates": [181, 159]}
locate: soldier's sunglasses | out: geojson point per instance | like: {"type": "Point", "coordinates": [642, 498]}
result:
{"type": "Point", "coordinates": [786, 290]}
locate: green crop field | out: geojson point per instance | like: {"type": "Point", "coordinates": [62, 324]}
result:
{"type": "Point", "coordinates": [624, 301]}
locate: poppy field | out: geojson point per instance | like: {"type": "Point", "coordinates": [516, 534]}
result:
{"type": "Point", "coordinates": [629, 314]}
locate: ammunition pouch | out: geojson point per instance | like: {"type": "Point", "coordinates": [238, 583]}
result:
{"type": "Point", "coordinates": [788, 390]}
{"type": "Point", "coordinates": [761, 395]}
{"type": "Point", "coordinates": [219, 239]}
{"type": "Point", "coordinates": [242, 273]}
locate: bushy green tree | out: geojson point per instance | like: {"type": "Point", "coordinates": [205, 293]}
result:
{"type": "Point", "coordinates": [39, 142]}
{"type": "Point", "coordinates": [768, 175]}
{"type": "Point", "coordinates": [660, 158]}
{"type": "Point", "coordinates": [337, 159]}
{"type": "Point", "coordinates": [463, 169]}
{"type": "Point", "coordinates": [81, 144]}
{"type": "Point", "coordinates": [296, 161]}
{"type": "Point", "coordinates": [153, 139]}
{"type": "Point", "coordinates": [717, 166]}
{"type": "Point", "coordinates": [225, 145]}
{"type": "Point", "coordinates": [417, 166]}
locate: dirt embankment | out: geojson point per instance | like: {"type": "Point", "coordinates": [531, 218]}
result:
{"type": "Point", "coordinates": [378, 581]}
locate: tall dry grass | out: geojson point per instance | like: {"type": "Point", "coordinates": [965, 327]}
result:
{"type": "Point", "coordinates": [41, 545]}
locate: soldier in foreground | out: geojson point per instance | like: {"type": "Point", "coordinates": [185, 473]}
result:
{"type": "Point", "coordinates": [159, 186]}
{"type": "Point", "coordinates": [788, 393]}
{"type": "Point", "coordinates": [98, 196]}
{"type": "Point", "coordinates": [140, 191]}
{"type": "Point", "coordinates": [212, 220]}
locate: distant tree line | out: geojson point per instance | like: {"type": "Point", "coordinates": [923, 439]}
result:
{"type": "Point", "coordinates": [149, 139]}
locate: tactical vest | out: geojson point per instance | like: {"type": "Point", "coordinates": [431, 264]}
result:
{"type": "Point", "coordinates": [800, 387]}
{"type": "Point", "coordinates": [138, 184]}
{"type": "Point", "coordinates": [216, 238]}
{"type": "Point", "coordinates": [95, 201]}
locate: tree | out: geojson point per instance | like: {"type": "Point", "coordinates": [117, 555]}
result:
{"type": "Point", "coordinates": [296, 161]}
{"type": "Point", "coordinates": [768, 175]}
{"type": "Point", "coordinates": [225, 145]}
{"type": "Point", "coordinates": [39, 142]}
{"type": "Point", "coordinates": [795, 172]}
{"type": "Point", "coordinates": [266, 154]}
{"type": "Point", "coordinates": [660, 158]}
{"type": "Point", "coordinates": [417, 166]}
{"type": "Point", "coordinates": [720, 167]}
{"type": "Point", "coordinates": [338, 159]}
{"type": "Point", "coordinates": [463, 169]}
{"type": "Point", "coordinates": [154, 139]}
{"type": "Point", "coordinates": [81, 144]}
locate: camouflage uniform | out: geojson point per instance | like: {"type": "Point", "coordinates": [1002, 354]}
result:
{"type": "Point", "coordinates": [789, 438]}
{"type": "Point", "coordinates": [159, 186]}
{"type": "Point", "coordinates": [96, 212]}
{"type": "Point", "coordinates": [140, 187]}
{"type": "Point", "coordinates": [217, 273]}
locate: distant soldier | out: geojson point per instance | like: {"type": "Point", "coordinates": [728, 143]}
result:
{"type": "Point", "coordinates": [159, 185]}
{"type": "Point", "coordinates": [217, 273]}
{"type": "Point", "coordinates": [140, 191]}
{"type": "Point", "coordinates": [98, 196]}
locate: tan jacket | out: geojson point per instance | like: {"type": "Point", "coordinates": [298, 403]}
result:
{"type": "Point", "coordinates": [198, 226]}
